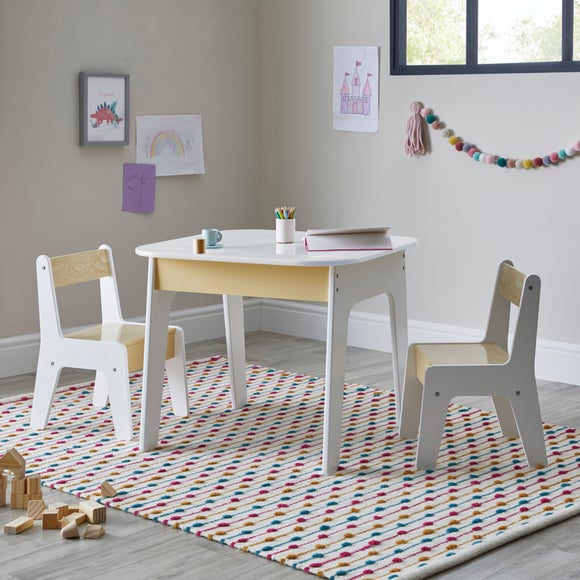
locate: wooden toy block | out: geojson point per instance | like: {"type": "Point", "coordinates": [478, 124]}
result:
{"type": "Point", "coordinates": [60, 507]}
{"type": "Point", "coordinates": [93, 532]}
{"type": "Point", "coordinates": [96, 513]}
{"type": "Point", "coordinates": [73, 507]}
{"type": "Point", "coordinates": [34, 496]}
{"type": "Point", "coordinates": [18, 487]}
{"type": "Point", "coordinates": [35, 509]}
{"type": "Point", "coordinates": [3, 487]}
{"type": "Point", "coordinates": [14, 462]}
{"type": "Point", "coordinates": [78, 518]}
{"type": "Point", "coordinates": [33, 485]}
{"type": "Point", "coordinates": [18, 525]}
{"type": "Point", "coordinates": [107, 490]}
{"type": "Point", "coordinates": [70, 531]}
{"type": "Point", "coordinates": [50, 519]}
{"type": "Point", "coordinates": [17, 501]}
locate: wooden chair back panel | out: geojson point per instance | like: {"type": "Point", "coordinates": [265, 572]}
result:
{"type": "Point", "coordinates": [510, 284]}
{"type": "Point", "coordinates": [80, 267]}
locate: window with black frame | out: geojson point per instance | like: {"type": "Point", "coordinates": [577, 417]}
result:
{"type": "Point", "coordinates": [484, 36]}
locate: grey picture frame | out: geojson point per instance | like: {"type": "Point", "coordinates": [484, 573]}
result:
{"type": "Point", "coordinates": [103, 109]}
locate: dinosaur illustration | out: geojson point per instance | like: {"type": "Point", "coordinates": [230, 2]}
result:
{"type": "Point", "coordinates": [106, 113]}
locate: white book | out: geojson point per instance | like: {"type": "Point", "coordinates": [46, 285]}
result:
{"type": "Point", "coordinates": [348, 239]}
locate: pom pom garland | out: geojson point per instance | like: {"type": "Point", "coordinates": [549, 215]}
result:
{"type": "Point", "coordinates": [425, 115]}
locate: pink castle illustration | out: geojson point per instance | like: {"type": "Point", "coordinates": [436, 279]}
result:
{"type": "Point", "coordinates": [351, 101]}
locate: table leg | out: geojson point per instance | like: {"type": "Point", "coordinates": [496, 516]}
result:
{"type": "Point", "coordinates": [347, 286]}
{"type": "Point", "coordinates": [157, 321]}
{"type": "Point", "coordinates": [336, 335]}
{"type": "Point", "coordinates": [236, 348]}
{"type": "Point", "coordinates": [397, 294]}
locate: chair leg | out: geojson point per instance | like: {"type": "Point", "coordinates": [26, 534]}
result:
{"type": "Point", "coordinates": [528, 416]}
{"type": "Point", "coordinates": [433, 415]}
{"type": "Point", "coordinates": [47, 375]}
{"type": "Point", "coordinates": [176, 377]}
{"type": "Point", "coordinates": [120, 398]}
{"type": "Point", "coordinates": [411, 399]}
{"type": "Point", "coordinates": [505, 416]}
{"type": "Point", "coordinates": [101, 391]}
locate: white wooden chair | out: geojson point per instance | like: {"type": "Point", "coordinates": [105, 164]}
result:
{"type": "Point", "coordinates": [113, 348]}
{"type": "Point", "coordinates": [436, 373]}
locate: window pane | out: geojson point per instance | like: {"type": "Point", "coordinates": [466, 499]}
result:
{"type": "Point", "coordinates": [576, 50]}
{"type": "Point", "coordinates": [520, 31]}
{"type": "Point", "coordinates": [436, 32]}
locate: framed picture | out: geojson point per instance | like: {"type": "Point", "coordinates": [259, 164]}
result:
{"type": "Point", "coordinates": [104, 109]}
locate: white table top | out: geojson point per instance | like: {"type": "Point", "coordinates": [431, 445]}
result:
{"type": "Point", "coordinates": [260, 247]}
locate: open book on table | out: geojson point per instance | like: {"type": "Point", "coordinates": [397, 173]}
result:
{"type": "Point", "coordinates": [348, 239]}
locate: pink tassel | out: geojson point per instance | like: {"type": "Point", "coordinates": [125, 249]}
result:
{"type": "Point", "coordinates": [414, 143]}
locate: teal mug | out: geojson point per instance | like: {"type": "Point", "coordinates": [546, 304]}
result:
{"type": "Point", "coordinates": [211, 236]}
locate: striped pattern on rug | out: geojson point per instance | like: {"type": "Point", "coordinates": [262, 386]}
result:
{"type": "Point", "coordinates": [251, 478]}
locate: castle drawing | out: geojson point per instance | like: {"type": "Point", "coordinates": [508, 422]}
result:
{"type": "Point", "coordinates": [351, 100]}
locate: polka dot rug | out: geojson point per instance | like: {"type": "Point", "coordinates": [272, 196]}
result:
{"type": "Point", "coordinates": [252, 479]}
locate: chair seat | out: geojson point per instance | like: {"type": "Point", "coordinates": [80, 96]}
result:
{"type": "Point", "coordinates": [457, 354]}
{"type": "Point", "coordinates": [131, 334]}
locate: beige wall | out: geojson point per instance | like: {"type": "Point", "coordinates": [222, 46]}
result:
{"type": "Point", "coordinates": [183, 57]}
{"type": "Point", "coordinates": [260, 73]}
{"type": "Point", "coordinates": [467, 216]}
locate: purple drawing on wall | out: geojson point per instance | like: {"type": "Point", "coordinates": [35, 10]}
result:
{"type": "Point", "coordinates": [138, 187]}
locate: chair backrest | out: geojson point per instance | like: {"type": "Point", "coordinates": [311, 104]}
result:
{"type": "Point", "coordinates": [522, 291]}
{"type": "Point", "coordinates": [71, 269]}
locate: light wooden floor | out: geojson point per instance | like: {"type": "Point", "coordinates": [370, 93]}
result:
{"type": "Point", "coordinates": [136, 548]}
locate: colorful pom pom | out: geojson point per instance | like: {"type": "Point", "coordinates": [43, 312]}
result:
{"type": "Point", "coordinates": [489, 158]}
{"type": "Point", "coordinates": [538, 162]}
{"type": "Point", "coordinates": [476, 156]}
{"type": "Point", "coordinates": [431, 118]}
{"type": "Point", "coordinates": [570, 151]}
{"type": "Point", "coordinates": [562, 154]}
{"type": "Point", "coordinates": [546, 160]}
{"type": "Point", "coordinates": [501, 162]}
{"type": "Point", "coordinates": [425, 112]}
{"type": "Point", "coordinates": [577, 146]}
{"type": "Point", "coordinates": [528, 163]}
{"type": "Point", "coordinates": [554, 157]}
{"type": "Point", "coordinates": [447, 133]}
{"type": "Point", "coordinates": [453, 140]}
{"type": "Point", "coordinates": [472, 151]}
{"type": "Point", "coordinates": [436, 125]}
{"type": "Point", "coordinates": [511, 163]}
{"type": "Point", "coordinates": [519, 163]}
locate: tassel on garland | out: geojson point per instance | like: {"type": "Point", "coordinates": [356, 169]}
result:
{"type": "Point", "coordinates": [414, 143]}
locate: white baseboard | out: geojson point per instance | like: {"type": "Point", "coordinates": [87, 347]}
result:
{"type": "Point", "coordinates": [19, 354]}
{"type": "Point", "coordinates": [555, 361]}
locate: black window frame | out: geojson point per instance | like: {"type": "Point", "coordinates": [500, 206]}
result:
{"type": "Point", "coordinates": [399, 66]}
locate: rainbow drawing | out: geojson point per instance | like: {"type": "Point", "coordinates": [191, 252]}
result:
{"type": "Point", "coordinates": [166, 143]}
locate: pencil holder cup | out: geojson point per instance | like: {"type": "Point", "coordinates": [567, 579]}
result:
{"type": "Point", "coordinates": [285, 231]}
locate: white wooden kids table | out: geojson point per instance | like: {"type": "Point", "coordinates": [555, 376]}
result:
{"type": "Point", "coordinates": [251, 263]}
